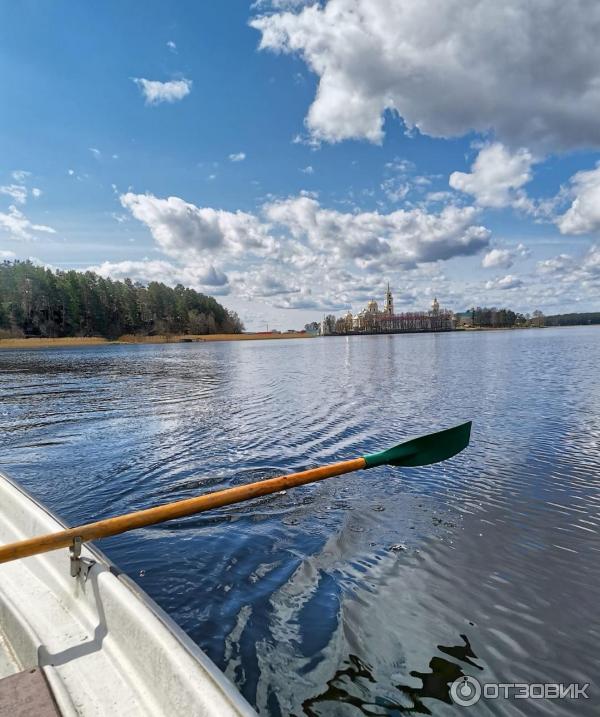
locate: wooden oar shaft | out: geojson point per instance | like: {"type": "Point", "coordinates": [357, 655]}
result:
{"type": "Point", "coordinates": [179, 509]}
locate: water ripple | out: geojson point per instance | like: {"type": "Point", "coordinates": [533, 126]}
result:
{"type": "Point", "coordinates": [370, 593]}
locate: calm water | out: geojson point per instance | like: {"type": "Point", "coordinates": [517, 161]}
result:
{"type": "Point", "coordinates": [366, 594]}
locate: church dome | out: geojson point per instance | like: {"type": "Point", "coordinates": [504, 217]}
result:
{"type": "Point", "coordinates": [372, 307]}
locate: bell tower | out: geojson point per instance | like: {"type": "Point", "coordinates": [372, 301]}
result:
{"type": "Point", "coordinates": [389, 301]}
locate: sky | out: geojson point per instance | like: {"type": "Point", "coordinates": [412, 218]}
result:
{"type": "Point", "coordinates": [290, 158]}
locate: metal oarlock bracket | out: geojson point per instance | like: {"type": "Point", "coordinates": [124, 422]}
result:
{"type": "Point", "coordinates": [79, 566]}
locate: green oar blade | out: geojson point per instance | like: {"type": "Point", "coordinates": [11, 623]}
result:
{"type": "Point", "coordinates": [424, 450]}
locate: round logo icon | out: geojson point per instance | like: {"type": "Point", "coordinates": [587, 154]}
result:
{"type": "Point", "coordinates": [465, 691]}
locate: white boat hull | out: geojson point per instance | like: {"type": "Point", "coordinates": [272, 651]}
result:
{"type": "Point", "coordinates": [104, 646]}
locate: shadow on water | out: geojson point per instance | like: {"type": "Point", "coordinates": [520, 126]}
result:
{"type": "Point", "coordinates": [355, 685]}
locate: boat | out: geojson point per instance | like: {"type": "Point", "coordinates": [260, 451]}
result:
{"type": "Point", "coordinates": [79, 637]}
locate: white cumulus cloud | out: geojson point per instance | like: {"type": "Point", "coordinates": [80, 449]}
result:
{"type": "Point", "coordinates": [496, 176]}
{"type": "Point", "coordinates": [156, 92]}
{"type": "Point", "coordinates": [583, 216]}
{"type": "Point", "coordinates": [182, 229]}
{"type": "Point", "coordinates": [591, 261]}
{"type": "Point", "coordinates": [504, 258]}
{"type": "Point", "coordinates": [504, 283]}
{"type": "Point", "coordinates": [571, 269]}
{"type": "Point", "coordinates": [263, 254]}
{"type": "Point", "coordinates": [266, 283]}
{"type": "Point", "coordinates": [497, 258]}
{"type": "Point", "coordinates": [448, 67]}
{"type": "Point", "coordinates": [403, 237]}
{"type": "Point", "coordinates": [18, 226]}
{"type": "Point", "coordinates": [560, 264]}
{"type": "Point", "coordinates": [237, 157]}
{"type": "Point", "coordinates": [200, 275]}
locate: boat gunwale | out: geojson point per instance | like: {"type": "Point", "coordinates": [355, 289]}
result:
{"type": "Point", "coordinates": [193, 649]}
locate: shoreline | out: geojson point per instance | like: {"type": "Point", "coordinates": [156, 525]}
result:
{"type": "Point", "coordinates": [80, 341]}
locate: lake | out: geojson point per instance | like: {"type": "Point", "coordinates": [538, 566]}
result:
{"type": "Point", "coordinates": [369, 593]}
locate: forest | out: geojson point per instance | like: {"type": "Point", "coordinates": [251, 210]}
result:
{"type": "Point", "coordinates": [579, 319]}
{"type": "Point", "coordinates": [505, 317]}
{"type": "Point", "coordinates": [493, 317]}
{"type": "Point", "coordinates": [36, 301]}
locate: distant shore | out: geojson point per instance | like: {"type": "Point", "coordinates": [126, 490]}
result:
{"type": "Point", "coordinates": [81, 341]}
{"type": "Point", "coordinates": [75, 341]}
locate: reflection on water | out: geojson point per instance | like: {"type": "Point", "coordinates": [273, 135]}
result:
{"type": "Point", "coordinates": [355, 685]}
{"type": "Point", "coordinates": [366, 594]}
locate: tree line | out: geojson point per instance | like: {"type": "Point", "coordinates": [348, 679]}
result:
{"type": "Point", "coordinates": [35, 301]}
{"type": "Point", "coordinates": [505, 317]}
{"type": "Point", "coordinates": [492, 317]}
{"type": "Point", "coordinates": [576, 319]}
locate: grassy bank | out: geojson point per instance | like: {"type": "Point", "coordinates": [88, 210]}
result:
{"type": "Point", "coordinates": [41, 343]}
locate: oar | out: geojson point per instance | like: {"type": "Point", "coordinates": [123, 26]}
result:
{"type": "Point", "coordinates": [422, 451]}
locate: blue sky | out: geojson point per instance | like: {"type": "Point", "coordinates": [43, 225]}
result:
{"type": "Point", "coordinates": [293, 157]}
